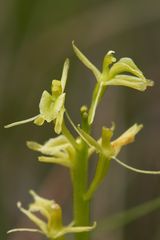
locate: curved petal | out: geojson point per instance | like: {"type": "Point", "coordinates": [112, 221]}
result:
{"type": "Point", "coordinates": [41, 224]}
{"type": "Point", "coordinates": [64, 74]}
{"type": "Point", "coordinates": [130, 81]}
{"type": "Point", "coordinates": [46, 107]}
{"type": "Point", "coordinates": [125, 65]}
{"type": "Point", "coordinates": [86, 62]}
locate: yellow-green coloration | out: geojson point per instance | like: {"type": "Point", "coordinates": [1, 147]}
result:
{"type": "Point", "coordinates": [59, 150]}
{"type": "Point", "coordinates": [51, 106]}
{"type": "Point", "coordinates": [114, 75]}
{"type": "Point", "coordinates": [107, 150]}
{"type": "Point", "coordinates": [75, 152]}
{"type": "Point", "coordinates": [53, 227]}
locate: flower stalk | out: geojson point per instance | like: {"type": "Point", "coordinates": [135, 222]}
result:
{"type": "Point", "coordinates": [74, 152]}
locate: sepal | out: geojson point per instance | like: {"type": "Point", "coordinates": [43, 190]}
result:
{"type": "Point", "coordinates": [51, 106]}
{"type": "Point", "coordinates": [106, 150]}
{"type": "Point", "coordinates": [139, 84]}
{"type": "Point", "coordinates": [51, 226]}
{"type": "Point", "coordinates": [59, 151]}
{"type": "Point", "coordinates": [121, 73]}
{"type": "Point", "coordinates": [125, 65]}
{"type": "Point", "coordinates": [126, 138]}
{"type": "Point", "coordinates": [86, 62]}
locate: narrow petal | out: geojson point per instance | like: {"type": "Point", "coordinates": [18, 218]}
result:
{"type": "Point", "coordinates": [59, 104]}
{"type": "Point", "coordinates": [24, 230]}
{"type": "Point", "coordinates": [64, 74]}
{"type": "Point", "coordinates": [130, 81]}
{"type": "Point", "coordinates": [42, 205]}
{"type": "Point", "coordinates": [49, 148]}
{"type": "Point", "coordinates": [125, 65]}
{"type": "Point", "coordinates": [89, 140]}
{"type": "Point", "coordinates": [86, 62]}
{"type": "Point", "coordinates": [59, 121]}
{"type": "Point", "coordinates": [136, 169]}
{"type": "Point", "coordinates": [97, 94]}
{"type": "Point", "coordinates": [64, 161]}
{"type": "Point", "coordinates": [77, 130]}
{"type": "Point", "coordinates": [108, 60]}
{"type": "Point", "coordinates": [41, 224]}
{"type": "Point", "coordinates": [126, 138]}
{"type": "Point", "coordinates": [34, 145]}
{"type": "Point", "coordinates": [21, 122]}
{"type": "Point", "coordinates": [75, 229]}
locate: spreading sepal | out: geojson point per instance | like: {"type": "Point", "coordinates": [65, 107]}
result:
{"type": "Point", "coordinates": [52, 226]}
{"type": "Point", "coordinates": [57, 150]}
{"type": "Point", "coordinates": [121, 73]}
{"type": "Point", "coordinates": [51, 106]}
{"type": "Point", "coordinates": [107, 150]}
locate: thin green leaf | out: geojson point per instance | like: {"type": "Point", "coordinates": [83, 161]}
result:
{"type": "Point", "coordinates": [121, 219]}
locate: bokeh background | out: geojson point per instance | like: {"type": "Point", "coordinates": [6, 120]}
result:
{"type": "Point", "coordinates": [35, 38]}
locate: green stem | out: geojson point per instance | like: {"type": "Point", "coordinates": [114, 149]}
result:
{"type": "Point", "coordinates": [81, 207]}
{"type": "Point", "coordinates": [60, 238]}
{"type": "Point", "coordinates": [69, 136]}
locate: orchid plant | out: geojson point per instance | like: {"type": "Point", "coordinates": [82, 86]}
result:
{"type": "Point", "coordinates": [74, 152]}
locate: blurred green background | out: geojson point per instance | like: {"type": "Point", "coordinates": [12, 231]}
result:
{"type": "Point", "coordinates": [35, 38]}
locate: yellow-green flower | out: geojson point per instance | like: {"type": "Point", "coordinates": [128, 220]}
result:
{"type": "Point", "coordinates": [57, 150]}
{"type": "Point", "coordinates": [106, 150]}
{"type": "Point", "coordinates": [107, 147]}
{"type": "Point", "coordinates": [51, 106]}
{"type": "Point", "coordinates": [121, 73]}
{"type": "Point", "coordinates": [51, 224]}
